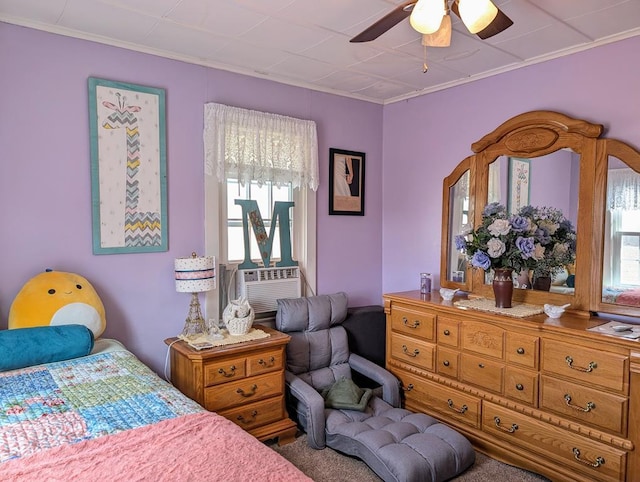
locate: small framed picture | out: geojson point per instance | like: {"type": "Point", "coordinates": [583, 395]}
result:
{"type": "Point", "coordinates": [346, 182]}
{"type": "Point", "coordinates": [519, 184]}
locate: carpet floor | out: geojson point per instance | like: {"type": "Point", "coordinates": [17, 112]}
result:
{"type": "Point", "coordinates": [330, 466]}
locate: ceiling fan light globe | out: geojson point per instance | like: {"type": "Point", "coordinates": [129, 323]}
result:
{"type": "Point", "coordinates": [427, 15]}
{"type": "Point", "coordinates": [477, 14]}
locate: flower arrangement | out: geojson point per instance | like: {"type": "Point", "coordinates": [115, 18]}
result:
{"type": "Point", "coordinates": [535, 238]}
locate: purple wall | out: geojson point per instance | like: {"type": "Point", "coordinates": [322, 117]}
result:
{"type": "Point", "coordinates": [426, 137]}
{"type": "Point", "coordinates": [45, 179]}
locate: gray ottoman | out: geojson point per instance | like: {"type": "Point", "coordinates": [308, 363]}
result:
{"type": "Point", "coordinates": [399, 445]}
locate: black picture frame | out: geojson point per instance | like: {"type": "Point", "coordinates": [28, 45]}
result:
{"type": "Point", "coordinates": [346, 182]}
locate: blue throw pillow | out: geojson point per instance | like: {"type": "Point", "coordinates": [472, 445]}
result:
{"type": "Point", "coordinates": [25, 347]}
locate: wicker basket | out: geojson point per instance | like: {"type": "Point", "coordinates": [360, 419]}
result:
{"type": "Point", "coordinates": [240, 326]}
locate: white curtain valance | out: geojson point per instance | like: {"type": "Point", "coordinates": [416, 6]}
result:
{"type": "Point", "coordinates": [623, 189]}
{"type": "Point", "coordinates": [258, 146]}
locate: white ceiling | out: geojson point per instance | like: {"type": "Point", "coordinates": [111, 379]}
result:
{"type": "Point", "coordinates": [306, 42]}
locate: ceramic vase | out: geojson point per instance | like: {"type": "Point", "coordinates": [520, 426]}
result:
{"type": "Point", "coordinates": [503, 287]}
{"type": "Point", "coordinates": [542, 283]}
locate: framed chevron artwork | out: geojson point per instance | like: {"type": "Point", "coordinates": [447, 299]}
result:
{"type": "Point", "coordinates": [128, 167]}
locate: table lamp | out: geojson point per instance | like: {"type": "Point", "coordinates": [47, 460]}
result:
{"type": "Point", "coordinates": [195, 275]}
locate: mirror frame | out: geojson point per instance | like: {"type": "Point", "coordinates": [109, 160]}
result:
{"type": "Point", "coordinates": [531, 135]}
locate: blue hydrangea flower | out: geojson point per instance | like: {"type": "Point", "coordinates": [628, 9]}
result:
{"type": "Point", "coordinates": [460, 242]}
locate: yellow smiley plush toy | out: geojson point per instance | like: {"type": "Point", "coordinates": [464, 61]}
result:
{"type": "Point", "coordinates": [58, 298]}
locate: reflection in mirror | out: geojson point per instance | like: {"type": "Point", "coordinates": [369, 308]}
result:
{"type": "Point", "coordinates": [551, 180]}
{"type": "Point", "coordinates": [621, 260]}
{"type": "Point", "coordinates": [459, 223]}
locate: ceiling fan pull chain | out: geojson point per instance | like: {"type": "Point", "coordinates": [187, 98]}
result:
{"type": "Point", "coordinates": [425, 67]}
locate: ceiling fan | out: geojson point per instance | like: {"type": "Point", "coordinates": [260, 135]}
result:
{"type": "Point", "coordinates": [431, 18]}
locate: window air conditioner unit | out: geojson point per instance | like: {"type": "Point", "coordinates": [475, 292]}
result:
{"type": "Point", "coordinates": [263, 286]}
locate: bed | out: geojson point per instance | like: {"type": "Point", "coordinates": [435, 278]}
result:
{"type": "Point", "coordinates": [108, 416]}
{"type": "Point", "coordinates": [621, 296]}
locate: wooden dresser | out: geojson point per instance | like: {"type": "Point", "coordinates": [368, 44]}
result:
{"type": "Point", "coordinates": [543, 394]}
{"type": "Point", "coordinates": [243, 382]}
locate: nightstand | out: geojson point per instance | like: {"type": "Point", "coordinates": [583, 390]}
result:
{"type": "Point", "coordinates": [244, 382]}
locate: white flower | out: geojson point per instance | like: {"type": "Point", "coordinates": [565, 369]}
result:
{"type": "Point", "coordinates": [495, 248]}
{"type": "Point", "coordinates": [499, 227]}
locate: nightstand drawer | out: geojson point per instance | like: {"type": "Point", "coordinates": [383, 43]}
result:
{"type": "Point", "coordinates": [264, 362]}
{"type": "Point", "coordinates": [254, 415]}
{"type": "Point", "coordinates": [243, 391]}
{"type": "Point", "coordinates": [223, 371]}
{"type": "Point", "coordinates": [413, 322]}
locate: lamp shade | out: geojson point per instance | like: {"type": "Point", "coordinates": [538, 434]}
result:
{"type": "Point", "coordinates": [195, 274]}
{"type": "Point", "coordinates": [426, 15]}
{"type": "Point", "coordinates": [477, 14]}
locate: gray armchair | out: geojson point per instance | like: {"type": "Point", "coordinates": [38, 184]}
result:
{"type": "Point", "coordinates": [396, 444]}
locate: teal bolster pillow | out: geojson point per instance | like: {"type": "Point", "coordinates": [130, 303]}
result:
{"type": "Point", "coordinates": [24, 347]}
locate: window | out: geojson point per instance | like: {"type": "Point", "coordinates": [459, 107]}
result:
{"type": "Point", "coordinates": [264, 157]}
{"type": "Point", "coordinates": [622, 241]}
{"type": "Point", "coordinates": [265, 196]}
{"type": "Point", "coordinates": [625, 251]}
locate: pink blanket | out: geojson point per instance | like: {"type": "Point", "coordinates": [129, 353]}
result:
{"type": "Point", "coordinates": [199, 447]}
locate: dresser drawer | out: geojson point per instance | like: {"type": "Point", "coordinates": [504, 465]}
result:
{"type": "Point", "coordinates": [411, 350]}
{"type": "Point", "coordinates": [413, 322]}
{"type": "Point", "coordinates": [243, 391]}
{"type": "Point", "coordinates": [254, 415]}
{"type": "Point", "coordinates": [482, 338]}
{"type": "Point", "coordinates": [448, 332]}
{"type": "Point", "coordinates": [523, 349]}
{"type": "Point", "coordinates": [554, 443]}
{"type": "Point", "coordinates": [593, 407]}
{"type": "Point", "coordinates": [521, 385]}
{"type": "Point", "coordinates": [586, 365]}
{"type": "Point", "coordinates": [430, 397]}
{"type": "Point", "coordinates": [216, 372]}
{"type": "Point", "coordinates": [264, 362]}
{"type": "Point", "coordinates": [482, 372]}
{"type": "Point", "coordinates": [447, 362]}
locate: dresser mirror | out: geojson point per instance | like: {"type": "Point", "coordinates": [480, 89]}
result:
{"type": "Point", "coordinates": [567, 162]}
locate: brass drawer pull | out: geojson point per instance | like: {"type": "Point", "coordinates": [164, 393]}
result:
{"type": "Point", "coordinates": [446, 363]}
{"type": "Point", "coordinates": [519, 386]}
{"type": "Point", "coordinates": [446, 332]}
{"type": "Point", "coordinates": [462, 409]}
{"type": "Point", "coordinates": [513, 428]}
{"type": "Point", "coordinates": [415, 324]}
{"type": "Point", "coordinates": [224, 373]}
{"type": "Point", "coordinates": [599, 460]}
{"type": "Point", "coordinates": [240, 418]}
{"type": "Point", "coordinates": [268, 364]}
{"type": "Point", "coordinates": [415, 353]}
{"type": "Point", "coordinates": [520, 351]}
{"type": "Point", "coordinates": [409, 387]}
{"type": "Point", "coordinates": [480, 365]}
{"type": "Point", "coordinates": [588, 369]}
{"type": "Point", "coordinates": [590, 405]}
{"type": "Point", "coordinates": [254, 388]}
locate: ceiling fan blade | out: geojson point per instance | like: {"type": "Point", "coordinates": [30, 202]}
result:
{"type": "Point", "coordinates": [390, 20]}
{"type": "Point", "coordinates": [499, 24]}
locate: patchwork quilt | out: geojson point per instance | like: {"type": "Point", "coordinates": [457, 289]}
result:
{"type": "Point", "coordinates": [81, 399]}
